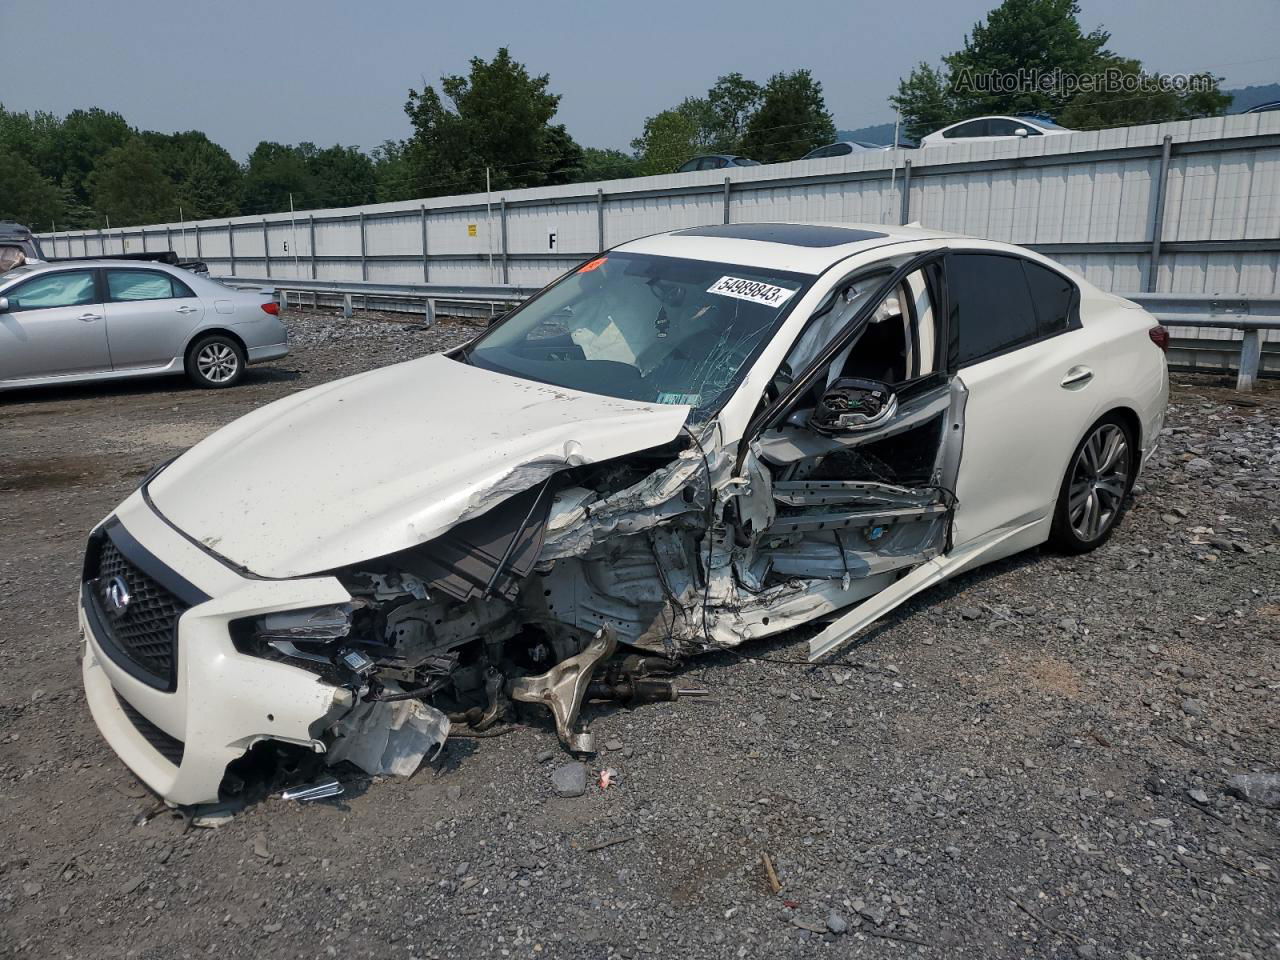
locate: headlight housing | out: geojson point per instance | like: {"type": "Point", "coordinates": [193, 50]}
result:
{"type": "Point", "coordinates": [310, 638]}
{"type": "Point", "coordinates": [322, 624]}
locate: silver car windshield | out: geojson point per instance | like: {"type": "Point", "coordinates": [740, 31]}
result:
{"type": "Point", "coordinates": [655, 329]}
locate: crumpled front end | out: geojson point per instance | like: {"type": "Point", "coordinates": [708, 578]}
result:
{"type": "Point", "coordinates": [582, 581]}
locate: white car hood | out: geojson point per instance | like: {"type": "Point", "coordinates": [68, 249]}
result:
{"type": "Point", "coordinates": [362, 467]}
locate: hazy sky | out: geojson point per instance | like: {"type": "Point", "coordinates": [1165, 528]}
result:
{"type": "Point", "coordinates": [338, 71]}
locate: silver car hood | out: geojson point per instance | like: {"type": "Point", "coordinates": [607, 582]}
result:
{"type": "Point", "coordinates": [362, 467]}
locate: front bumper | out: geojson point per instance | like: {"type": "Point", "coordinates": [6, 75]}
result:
{"type": "Point", "coordinates": [179, 742]}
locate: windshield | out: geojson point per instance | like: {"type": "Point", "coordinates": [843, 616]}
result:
{"type": "Point", "coordinates": [655, 329]}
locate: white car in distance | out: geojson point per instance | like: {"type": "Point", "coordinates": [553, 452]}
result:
{"type": "Point", "coordinates": [994, 128]}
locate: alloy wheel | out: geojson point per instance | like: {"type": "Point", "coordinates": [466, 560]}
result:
{"type": "Point", "coordinates": [1099, 481]}
{"type": "Point", "coordinates": [217, 362]}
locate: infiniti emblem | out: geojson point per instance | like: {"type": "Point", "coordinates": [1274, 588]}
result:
{"type": "Point", "coordinates": [116, 594]}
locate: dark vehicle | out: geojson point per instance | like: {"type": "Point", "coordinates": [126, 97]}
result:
{"type": "Point", "coordinates": [17, 239]}
{"type": "Point", "coordinates": [716, 161]}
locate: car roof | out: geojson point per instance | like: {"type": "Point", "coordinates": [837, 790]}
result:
{"type": "Point", "coordinates": [32, 267]}
{"type": "Point", "coordinates": [1034, 119]}
{"type": "Point", "coordinates": [92, 262]}
{"type": "Point", "coordinates": [796, 247]}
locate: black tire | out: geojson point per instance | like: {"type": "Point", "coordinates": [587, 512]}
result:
{"type": "Point", "coordinates": [215, 362]}
{"type": "Point", "coordinates": [1097, 482]}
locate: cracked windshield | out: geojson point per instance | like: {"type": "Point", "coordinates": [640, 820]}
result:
{"type": "Point", "coordinates": [655, 329]}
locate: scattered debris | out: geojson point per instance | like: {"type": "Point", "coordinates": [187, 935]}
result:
{"type": "Point", "coordinates": [1260, 789]}
{"type": "Point", "coordinates": [570, 779]}
{"type": "Point", "coordinates": [608, 777]}
{"type": "Point", "coordinates": [770, 874]}
{"type": "Point", "coordinates": [604, 844]}
{"type": "Point", "coordinates": [319, 790]}
{"type": "Point", "coordinates": [389, 738]}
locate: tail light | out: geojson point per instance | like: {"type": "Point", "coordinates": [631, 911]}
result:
{"type": "Point", "coordinates": [273, 308]}
{"type": "Point", "coordinates": [1160, 337]}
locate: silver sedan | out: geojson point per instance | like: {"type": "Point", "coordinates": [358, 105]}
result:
{"type": "Point", "coordinates": [88, 320]}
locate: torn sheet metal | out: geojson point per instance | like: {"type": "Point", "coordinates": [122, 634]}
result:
{"type": "Point", "coordinates": [389, 738]}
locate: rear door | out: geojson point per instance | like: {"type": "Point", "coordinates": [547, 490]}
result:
{"type": "Point", "coordinates": [1016, 344]}
{"type": "Point", "coordinates": [54, 326]}
{"type": "Point", "coordinates": [150, 315]}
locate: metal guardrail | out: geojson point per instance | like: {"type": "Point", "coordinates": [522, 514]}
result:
{"type": "Point", "coordinates": [1251, 314]}
{"type": "Point", "coordinates": [430, 293]}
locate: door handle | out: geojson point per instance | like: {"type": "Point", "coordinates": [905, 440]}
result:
{"type": "Point", "coordinates": [186, 309]}
{"type": "Point", "coordinates": [89, 317]}
{"type": "Point", "coordinates": [1077, 377]}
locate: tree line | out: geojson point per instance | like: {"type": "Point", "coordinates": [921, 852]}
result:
{"type": "Point", "coordinates": [495, 126]}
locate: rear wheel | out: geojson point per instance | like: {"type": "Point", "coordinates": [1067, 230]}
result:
{"type": "Point", "coordinates": [1098, 479]}
{"type": "Point", "coordinates": [215, 361]}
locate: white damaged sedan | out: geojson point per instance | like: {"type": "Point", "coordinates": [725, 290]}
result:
{"type": "Point", "coordinates": [695, 440]}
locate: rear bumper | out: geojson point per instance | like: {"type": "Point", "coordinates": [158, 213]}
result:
{"type": "Point", "coordinates": [272, 351]}
{"type": "Point", "coordinates": [180, 741]}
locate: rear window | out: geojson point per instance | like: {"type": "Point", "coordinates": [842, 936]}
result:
{"type": "Point", "coordinates": [1055, 298]}
{"type": "Point", "coordinates": [125, 285]}
{"type": "Point", "coordinates": [991, 308]}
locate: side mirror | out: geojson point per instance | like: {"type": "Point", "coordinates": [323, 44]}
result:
{"type": "Point", "coordinates": [853, 405]}
{"type": "Point", "coordinates": [4, 304]}
{"type": "Point", "coordinates": [1021, 132]}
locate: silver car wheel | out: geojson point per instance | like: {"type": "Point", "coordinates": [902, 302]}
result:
{"type": "Point", "coordinates": [1099, 480]}
{"type": "Point", "coordinates": [217, 362]}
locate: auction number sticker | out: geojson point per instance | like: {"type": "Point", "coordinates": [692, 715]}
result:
{"type": "Point", "coordinates": [753, 290]}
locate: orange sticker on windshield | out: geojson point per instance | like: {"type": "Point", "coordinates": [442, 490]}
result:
{"type": "Point", "coordinates": [595, 264]}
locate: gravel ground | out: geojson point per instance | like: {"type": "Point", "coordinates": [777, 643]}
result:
{"type": "Point", "coordinates": [1031, 761]}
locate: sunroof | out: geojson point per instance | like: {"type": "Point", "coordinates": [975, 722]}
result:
{"type": "Point", "coordinates": [796, 234]}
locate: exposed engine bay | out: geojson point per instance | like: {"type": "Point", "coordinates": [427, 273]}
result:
{"type": "Point", "coordinates": [595, 581]}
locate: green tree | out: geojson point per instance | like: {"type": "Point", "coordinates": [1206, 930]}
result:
{"type": "Point", "coordinates": [792, 119]}
{"type": "Point", "coordinates": [275, 171]}
{"type": "Point", "coordinates": [206, 178]}
{"type": "Point", "coordinates": [1041, 38]}
{"type": "Point", "coordinates": [32, 136]}
{"type": "Point", "coordinates": [600, 164]}
{"type": "Point", "coordinates": [1038, 35]}
{"type": "Point", "coordinates": [669, 139]}
{"type": "Point", "coordinates": [391, 173]}
{"type": "Point", "coordinates": [340, 176]}
{"type": "Point", "coordinates": [710, 124]}
{"type": "Point", "coordinates": [497, 116]}
{"type": "Point", "coordinates": [27, 197]}
{"type": "Point", "coordinates": [563, 158]}
{"type": "Point", "coordinates": [926, 101]}
{"type": "Point", "coordinates": [733, 100]}
{"type": "Point", "coordinates": [129, 185]}
{"type": "Point", "coordinates": [80, 143]}
{"type": "Point", "coordinates": [1094, 110]}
